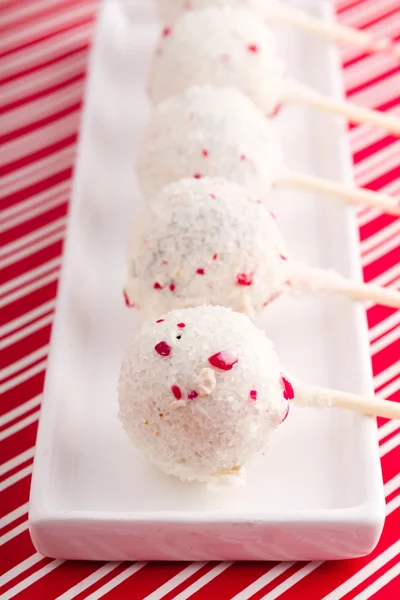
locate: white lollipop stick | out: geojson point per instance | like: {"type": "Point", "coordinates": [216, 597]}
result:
{"type": "Point", "coordinates": [307, 395]}
{"type": "Point", "coordinates": [349, 194]}
{"type": "Point", "coordinates": [308, 279]}
{"type": "Point", "coordinates": [334, 31]}
{"type": "Point", "coordinates": [295, 92]}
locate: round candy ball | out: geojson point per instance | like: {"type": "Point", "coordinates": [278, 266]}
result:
{"type": "Point", "coordinates": [220, 46]}
{"type": "Point", "coordinates": [208, 131]}
{"type": "Point", "coordinates": [200, 391]}
{"type": "Point", "coordinates": [205, 241]}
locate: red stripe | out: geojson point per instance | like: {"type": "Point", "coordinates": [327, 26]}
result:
{"type": "Point", "coordinates": [391, 13]}
{"type": "Point", "coordinates": [31, 280]}
{"type": "Point", "coordinates": [51, 34]}
{"type": "Point", "coordinates": [33, 157]}
{"type": "Point", "coordinates": [390, 464]}
{"type": "Point", "coordinates": [26, 346]}
{"type": "Point", "coordinates": [190, 580]}
{"type": "Point", "coordinates": [37, 16]}
{"type": "Point", "coordinates": [16, 550]}
{"type": "Point", "coordinates": [32, 261]}
{"type": "Point", "coordinates": [373, 148]}
{"type": "Point", "coordinates": [280, 579]}
{"type": "Point", "coordinates": [29, 302]}
{"type": "Point", "coordinates": [374, 80]}
{"type": "Point", "coordinates": [17, 420]}
{"type": "Point", "coordinates": [17, 443]}
{"type": "Point", "coordinates": [375, 226]}
{"type": "Point", "coordinates": [20, 467]}
{"type": "Point", "coordinates": [37, 222]}
{"type": "Point", "coordinates": [376, 314]}
{"type": "Point", "coordinates": [382, 264]}
{"type": "Point", "coordinates": [389, 592]}
{"type": "Point", "coordinates": [22, 392]}
{"type": "Point", "coordinates": [108, 577]}
{"type": "Point", "coordinates": [36, 567]}
{"type": "Point", "coordinates": [36, 188]}
{"type": "Point", "coordinates": [348, 6]}
{"type": "Point", "coordinates": [14, 496]}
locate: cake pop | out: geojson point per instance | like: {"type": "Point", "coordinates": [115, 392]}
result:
{"type": "Point", "coordinates": [232, 47]}
{"type": "Point", "coordinates": [219, 132]}
{"type": "Point", "coordinates": [201, 390]}
{"type": "Point", "coordinates": [210, 241]}
{"type": "Point", "coordinates": [271, 10]}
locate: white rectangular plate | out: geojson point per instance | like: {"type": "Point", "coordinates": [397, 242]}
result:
{"type": "Point", "coordinates": [317, 492]}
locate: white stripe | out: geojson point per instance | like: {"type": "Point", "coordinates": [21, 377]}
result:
{"type": "Point", "coordinates": [390, 445]}
{"type": "Point", "coordinates": [388, 428]}
{"type": "Point", "coordinates": [23, 217]}
{"type": "Point", "coordinates": [40, 138]}
{"type": "Point", "coordinates": [88, 581]}
{"type": "Point", "coordinates": [48, 23]}
{"type": "Point", "coordinates": [173, 582]}
{"type": "Point", "coordinates": [22, 585]}
{"type": "Point", "coordinates": [262, 581]}
{"type": "Point", "coordinates": [10, 535]}
{"type": "Point", "coordinates": [28, 289]}
{"type": "Point", "coordinates": [30, 274]}
{"type": "Point", "coordinates": [365, 12]}
{"type": "Point", "coordinates": [20, 410]}
{"type": "Point", "coordinates": [21, 60]}
{"type": "Point", "coordinates": [6, 433]}
{"type": "Point", "coordinates": [363, 573]}
{"type": "Point", "coordinates": [364, 135]}
{"type": "Point", "coordinates": [17, 460]}
{"type": "Point", "coordinates": [203, 581]}
{"type": "Point", "coordinates": [23, 377]}
{"type": "Point", "coordinates": [292, 580]}
{"type": "Point", "coordinates": [27, 317]}
{"type": "Point", "coordinates": [63, 188]}
{"type": "Point", "coordinates": [384, 326]}
{"type": "Point", "coordinates": [393, 505]}
{"type": "Point", "coordinates": [20, 568]}
{"type": "Point", "coordinates": [384, 248]}
{"type": "Point", "coordinates": [377, 94]}
{"type": "Point", "coordinates": [387, 374]}
{"type": "Point", "coordinates": [27, 245]}
{"type": "Point", "coordinates": [390, 389]}
{"type": "Point", "coordinates": [15, 514]}
{"type": "Point", "coordinates": [392, 485]}
{"type": "Point", "coordinates": [369, 168]}
{"type": "Point", "coordinates": [49, 104]}
{"type": "Point", "coordinates": [389, 277]}
{"type": "Point", "coordinates": [116, 581]}
{"type": "Point", "coordinates": [386, 27]}
{"type": "Point", "coordinates": [380, 236]}
{"type": "Point", "coordinates": [385, 340]}
{"type": "Point", "coordinates": [365, 70]}
{"type": "Point", "coordinates": [6, 483]}
{"type": "Point", "coordinates": [379, 583]}
{"type": "Point", "coordinates": [38, 170]}
{"type": "Point", "coordinates": [38, 354]}
{"type": "Point", "coordinates": [23, 333]}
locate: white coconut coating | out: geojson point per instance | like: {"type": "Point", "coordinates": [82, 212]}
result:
{"type": "Point", "coordinates": [189, 432]}
{"type": "Point", "coordinates": [170, 10]}
{"type": "Point", "coordinates": [220, 46]}
{"type": "Point", "coordinates": [205, 241]}
{"type": "Point", "coordinates": [209, 131]}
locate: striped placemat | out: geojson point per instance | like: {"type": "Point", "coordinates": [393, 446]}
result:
{"type": "Point", "coordinates": [44, 47]}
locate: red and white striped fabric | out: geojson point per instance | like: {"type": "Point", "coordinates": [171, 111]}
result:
{"type": "Point", "coordinates": [44, 48]}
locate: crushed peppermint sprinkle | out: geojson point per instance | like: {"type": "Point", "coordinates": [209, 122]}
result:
{"type": "Point", "coordinates": [288, 392]}
{"type": "Point", "coordinates": [157, 286]}
{"type": "Point", "coordinates": [253, 394]}
{"type": "Point", "coordinates": [192, 395]}
{"type": "Point", "coordinates": [212, 196]}
{"type": "Point", "coordinates": [160, 321]}
{"type": "Point", "coordinates": [197, 176]}
{"type": "Point", "coordinates": [252, 48]}
{"type": "Point", "coordinates": [176, 390]}
{"type": "Point", "coordinates": [200, 271]}
{"type": "Point", "coordinates": [181, 325]}
{"type": "Point", "coordinates": [285, 416]}
{"type": "Point", "coordinates": [172, 287]}
{"type": "Point", "coordinates": [205, 153]}
{"type": "Point", "coordinates": [163, 348]}
{"type": "Point", "coordinates": [128, 303]}
{"type": "Point", "coordinates": [215, 256]}
{"type": "Point", "coordinates": [244, 278]}
{"type": "Point", "coordinates": [224, 360]}
{"type": "Point", "coordinates": [242, 157]}
{"type": "Point", "coordinates": [282, 257]}
{"type": "Point", "coordinates": [164, 262]}
{"type": "Point", "coordinates": [166, 31]}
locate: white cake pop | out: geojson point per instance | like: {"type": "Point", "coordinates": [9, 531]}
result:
{"type": "Point", "coordinates": [272, 10]}
{"type": "Point", "coordinates": [210, 241]}
{"type": "Point", "coordinates": [228, 46]}
{"type": "Point", "coordinates": [200, 391]}
{"type": "Point", "coordinates": [205, 241]}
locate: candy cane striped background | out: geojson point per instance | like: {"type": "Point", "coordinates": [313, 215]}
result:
{"type": "Point", "coordinates": [44, 47]}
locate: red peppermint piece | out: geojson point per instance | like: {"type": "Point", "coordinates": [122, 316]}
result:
{"type": "Point", "coordinates": [163, 349]}
{"type": "Point", "coordinates": [253, 395]}
{"type": "Point", "coordinates": [160, 321]}
{"type": "Point", "coordinates": [276, 110]}
{"type": "Point", "coordinates": [176, 390]}
{"type": "Point", "coordinates": [166, 31]}
{"type": "Point", "coordinates": [205, 153]}
{"type": "Point", "coordinates": [172, 287]}
{"type": "Point", "coordinates": [128, 303]}
{"type": "Point", "coordinates": [282, 257]}
{"type": "Point", "coordinates": [212, 196]}
{"type": "Point", "coordinates": [197, 175]}
{"type": "Point", "coordinates": [157, 286]}
{"type": "Point", "coordinates": [288, 392]}
{"type": "Point", "coordinates": [215, 256]}
{"type": "Point", "coordinates": [192, 395]}
{"type": "Point", "coordinates": [252, 48]}
{"type": "Point", "coordinates": [244, 278]}
{"type": "Point", "coordinates": [243, 157]}
{"type": "Point", "coordinates": [285, 416]}
{"type": "Point", "coordinates": [224, 360]}
{"type": "Point", "coordinates": [181, 325]}
{"type": "Point", "coordinates": [200, 271]}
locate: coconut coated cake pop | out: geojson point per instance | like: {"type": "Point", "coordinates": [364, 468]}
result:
{"type": "Point", "coordinates": [200, 391]}
{"type": "Point", "coordinates": [222, 46]}
{"type": "Point", "coordinates": [205, 241]}
{"type": "Point", "coordinates": [209, 131]}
